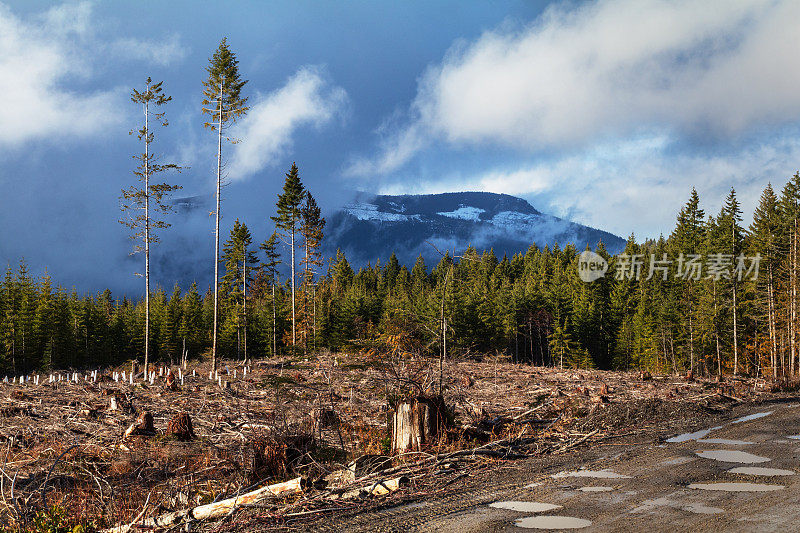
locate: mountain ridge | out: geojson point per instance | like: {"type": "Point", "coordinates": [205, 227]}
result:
{"type": "Point", "coordinates": [372, 227]}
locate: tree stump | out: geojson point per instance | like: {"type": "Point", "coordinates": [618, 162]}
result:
{"type": "Point", "coordinates": [180, 427]}
{"type": "Point", "coordinates": [417, 423]}
{"type": "Point", "coordinates": [172, 383]}
{"type": "Point", "coordinates": [142, 426]}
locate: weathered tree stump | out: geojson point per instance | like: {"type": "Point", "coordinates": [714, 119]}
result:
{"type": "Point", "coordinates": [180, 427]}
{"type": "Point", "coordinates": [172, 383]}
{"type": "Point", "coordinates": [142, 426]}
{"type": "Point", "coordinates": [417, 423]}
{"type": "Point", "coordinates": [275, 455]}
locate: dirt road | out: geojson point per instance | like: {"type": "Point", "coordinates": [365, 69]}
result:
{"type": "Point", "coordinates": [743, 474]}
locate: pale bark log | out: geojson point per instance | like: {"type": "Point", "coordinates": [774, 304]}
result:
{"type": "Point", "coordinates": [215, 510]}
{"type": "Point", "coordinates": [378, 488]}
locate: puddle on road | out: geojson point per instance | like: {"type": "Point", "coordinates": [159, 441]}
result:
{"type": "Point", "coordinates": [690, 436]}
{"type": "Point", "coordinates": [732, 456]}
{"type": "Point", "coordinates": [754, 416]}
{"type": "Point", "coordinates": [678, 461]}
{"type": "Point", "coordinates": [796, 437]}
{"type": "Point", "coordinates": [532, 485]}
{"type": "Point", "coordinates": [601, 474]}
{"type": "Point", "coordinates": [691, 507]}
{"type": "Point", "coordinates": [761, 471]}
{"type": "Point", "coordinates": [729, 442]}
{"type": "Point", "coordinates": [552, 522]}
{"type": "Point", "coordinates": [526, 507]}
{"type": "Point", "coordinates": [736, 487]}
{"type": "Point", "coordinates": [596, 489]}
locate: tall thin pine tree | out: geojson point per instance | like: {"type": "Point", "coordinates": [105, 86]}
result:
{"type": "Point", "coordinates": [143, 202]}
{"type": "Point", "coordinates": [224, 104]}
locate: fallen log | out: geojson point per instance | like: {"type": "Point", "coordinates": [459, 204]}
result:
{"type": "Point", "coordinates": [215, 510]}
{"type": "Point", "coordinates": [378, 488]}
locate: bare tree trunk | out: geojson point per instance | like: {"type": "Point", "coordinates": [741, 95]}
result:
{"type": "Point", "coordinates": [294, 329]}
{"type": "Point", "coordinates": [314, 316]}
{"type": "Point", "coordinates": [793, 299]}
{"type": "Point", "coordinates": [672, 352]}
{"type": "Point", "coordinates": [691, 337]}
{"type": "Point", "coordinates": [216, 232]}
{"type": "Point", "coordinates": [444, 330]}
{"type": "Point", "coordinates": [716, 331]}
{"type": "Point", "coordinates": [146, 239]}
{"type": "Point", "coordinates": [773, 331]}
{"type": "Point", "coordinates": [735, 334]}
{"type": "Point", "coordinates": [306, 273]}
{"type": "Point", "coordinates": [274, 325]}
{"type": "Point", "coordinates": [244, 296]}
{"type": "Point", "coordinates": [735, 324]}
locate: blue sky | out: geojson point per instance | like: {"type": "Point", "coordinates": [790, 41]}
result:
{"type": "Point", "coordinates": [606, 113]}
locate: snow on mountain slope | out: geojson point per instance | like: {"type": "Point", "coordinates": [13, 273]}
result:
{"type": "Point", "coordinates": [371, 212]}
{"type": "Point", "coordinates": [372, 227]}
{"type": "Point", "coordinates": [464, 212]}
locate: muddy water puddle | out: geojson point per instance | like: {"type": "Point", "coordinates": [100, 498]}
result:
{"type": "Point", "coordinates": [732, 456]}
{"type": "Point", "coordinates": [760, 471]}
{"type": "Point", "coordinates": [692, 436]}
{"type": "Point", "coordinates": [736, 487]}
{"type": "Point", "coordinates": [552, 522]}
{"type": "Point", "coordinates": [691, 507]}
{"type": "Point", "coordinates": [754, 416]}
{"type": "Point", "coordinates": [525, 507]}
{"type": "Point", "coordinates": [728, 442]}
{"type": "Point", "coordinates": [600, 474]}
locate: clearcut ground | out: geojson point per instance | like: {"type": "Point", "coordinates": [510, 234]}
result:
{"type": "Point", "coordinates": [636, 483]}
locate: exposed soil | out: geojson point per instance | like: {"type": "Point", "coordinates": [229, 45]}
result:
{"type": "Point", "coordinates": [63, 444]}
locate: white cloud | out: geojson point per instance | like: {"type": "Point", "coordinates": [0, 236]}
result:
{"type": "Point", "coordinates": [266, 131]}
{"type": "Point", "coordinates": [34, 59]}
{"type": "Point", "coordinates": [633, 186]}
{"type": "Point", "coordinates": [162, 53]}
{"type": "Point", "coordinates": [42, 55]}
{"type": "Point", "coordinates": [609, 69]}
{"type": "Point", "coordinates": [68, 19]}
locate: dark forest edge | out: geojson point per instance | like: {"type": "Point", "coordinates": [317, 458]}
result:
{"type": "Point", "coordinates": [532, 308]}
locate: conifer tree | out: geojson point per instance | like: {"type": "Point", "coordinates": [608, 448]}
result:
{"type": "Point", "coordinates": [311, 226]}
{"type": "Point", "coordinates": [240, 263]}
{"type": "Point", "coordinates": [270, 268]}
{"type": "Point", "coordinates": [687, 241]}
{"type": "Point", "coordinates": [561, 344]}
{"type": "Point", "coordinates": [144, 203]}
{"type": "Point", "coordinates": [765, 242]}
{"type": "Point", "coordinates": [224, 104]}
{"type": "Point", "coordinates": [732, 240]}
{"type": "Point", "coordinates": [789, 206]}
{"type": "Point", "coordinates": [288, 223]}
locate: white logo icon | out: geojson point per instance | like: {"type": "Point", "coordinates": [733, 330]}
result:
{"type": "Point", "coordinates": [591, 266]}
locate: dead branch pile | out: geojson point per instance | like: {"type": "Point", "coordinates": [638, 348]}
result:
{"type": "Point", "coordinates": [113, 454]}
